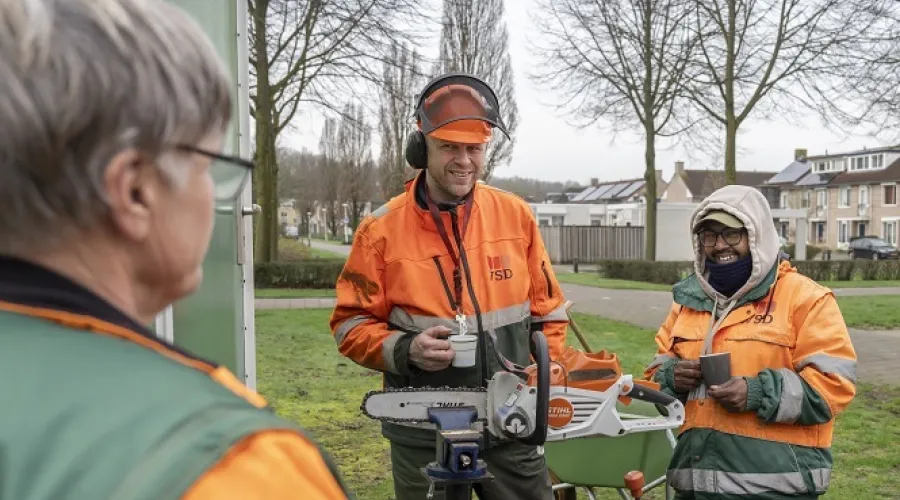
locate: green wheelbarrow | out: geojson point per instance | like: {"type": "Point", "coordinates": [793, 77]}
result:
{"type": "Point", "coordinates": [604, 461]}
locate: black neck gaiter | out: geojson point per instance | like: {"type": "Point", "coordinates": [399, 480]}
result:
{"type": "Point", "coordinates": [728, 278]}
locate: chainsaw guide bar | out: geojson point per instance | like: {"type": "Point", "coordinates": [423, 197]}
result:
{"type": "Point", "coordinates": [413, 402]}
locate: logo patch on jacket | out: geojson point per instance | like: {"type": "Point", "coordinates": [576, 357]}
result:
{"type": "Point", "coordinates": [764, 311]}
{"type": "Point", "coordinates": [499, 266]}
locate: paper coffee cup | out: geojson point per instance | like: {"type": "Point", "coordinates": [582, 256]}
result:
{"type": "Point", "coordinates": [715, 368]}
{"type": "Point", "coordinates": [464, 349]}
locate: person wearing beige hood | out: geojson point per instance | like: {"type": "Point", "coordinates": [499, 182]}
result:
{"type": "Point", "coordinates": [766, 431]}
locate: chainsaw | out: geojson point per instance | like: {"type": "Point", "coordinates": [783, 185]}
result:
{"type": "Point", "coordinates": [521, 404]}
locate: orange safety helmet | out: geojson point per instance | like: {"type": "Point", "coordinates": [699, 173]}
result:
{"type": "Point", "coordinates": [455, 107]}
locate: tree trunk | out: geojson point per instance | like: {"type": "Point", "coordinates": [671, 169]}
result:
{"type": "Point", "coordinates": [649, 137]}
{"type": "Point", "coordinates": [266, 171]}
{"type": "Point", "coordinates": [650, 192]}
{"type": "Point", "coordinates": [731, 128]}
{"type": "Point", "coordinates": [731, 124]}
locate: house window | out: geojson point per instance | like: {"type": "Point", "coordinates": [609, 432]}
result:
{"type": "Point", "coordinates": [543, 222]}
{"type": "Point", "coordinates": [864, 196]}
{"type": "Point", "coordinates": [558, 220]}
{"type": "Point", "coordinates": [890, 194]}
{"type": "Point", "coordinates": [784, 200]}
{"type": "Point", "coordinates": [821, 198]}
{"type": "Point", "coordinates": [844, 198]}
{"type": "Point", "coordinates": [878, 161]}
{"type": "Point", "coordinates": [861, 162]}
{"type": "Point", "coordinates": [843, 231]}
{"type": "Point", "coordinates": [805, 200]}
{"type": "Point", "coordinates": [889, 231]}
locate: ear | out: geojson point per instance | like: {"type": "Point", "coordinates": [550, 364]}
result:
{"type": "Point", "coordinates": [131, 188]}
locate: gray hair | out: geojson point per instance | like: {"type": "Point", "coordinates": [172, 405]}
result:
{"type": "Point", "coordinates": [82, 80]}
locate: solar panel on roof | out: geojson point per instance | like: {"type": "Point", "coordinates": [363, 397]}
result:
{"type": "Point", "coordinates": [632, 189]}
{"type": "Point", "coordinates": [599, 192]}
{"type": "Point", "coordinates": [581, 196]}
{"type": "Point", "coordinates": [792, 173]}
{"type": "Point", "coordinates": [615, 190]}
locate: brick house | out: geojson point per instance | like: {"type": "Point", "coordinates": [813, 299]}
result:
{"type": "Point", "coordinates": [845, 194]}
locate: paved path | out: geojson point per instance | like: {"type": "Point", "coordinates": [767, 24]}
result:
{"type": "Point", "coordinates": [877, 350]}
{"type": "Point", "coordinates": [330, 247]}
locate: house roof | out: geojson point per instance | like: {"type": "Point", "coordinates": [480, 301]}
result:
{"type": "Point", "coordinates": [791, 174]}
{"type": "Point", "coordinates": [616, 190]}
{"type": "Point", "coordinates": [816, 179]}
{"type": "Point", "coordinates": [887, 149]}
{"type": "Point", "coordinates": [702, 183]}
{"type": "Point", "coordinates": [887, 174]}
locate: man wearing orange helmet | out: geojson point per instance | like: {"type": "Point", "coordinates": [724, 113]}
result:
{"type": "Point", "coordinates": [450, 255]}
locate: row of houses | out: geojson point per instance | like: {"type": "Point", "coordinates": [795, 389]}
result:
{"type": "Point", "coordinates": [843, 195]}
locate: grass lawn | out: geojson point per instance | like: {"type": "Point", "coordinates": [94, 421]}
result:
{"type": "Point", "coordinates": [591, 278]}
{"type": "Point", "coordinates": [293, 293]}
{"type": "Point", "coordinates": [306, 380]}
{"type": "Point", "coordinates": [871, 312]}
{"type": "Point", "coordinates": [291, 249]}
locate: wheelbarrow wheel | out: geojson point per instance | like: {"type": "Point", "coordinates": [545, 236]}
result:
{"type": "Point", "coordinates": [566, 494]}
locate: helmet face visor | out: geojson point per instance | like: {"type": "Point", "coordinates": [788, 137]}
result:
{"type": "Point", "coordinates": [459, 98]}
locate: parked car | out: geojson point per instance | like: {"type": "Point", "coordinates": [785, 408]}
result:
{"type": "Point", "coordinates": [872, 247]}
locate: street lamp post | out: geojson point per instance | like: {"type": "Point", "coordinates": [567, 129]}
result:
{"type": "Point", "coordinates": [346, 226]}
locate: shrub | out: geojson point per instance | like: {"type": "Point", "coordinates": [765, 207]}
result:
{"type": "Point", "coordinates": [812, 251]}
{"type": "Point", "coordinates": [668, 273]}
{"type": "Point", "coordinates": [648, 271]}
{"type": "Point", "coordinates": [314, 273]}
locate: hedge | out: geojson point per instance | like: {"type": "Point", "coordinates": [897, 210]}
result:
{"type": "Point", "coordinates": [667, 273]}
{"type": "Point", "coordinates": [313, 273]}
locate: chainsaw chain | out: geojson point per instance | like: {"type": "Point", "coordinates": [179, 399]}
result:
{"type": "Point", "coordinates": [444, 389]}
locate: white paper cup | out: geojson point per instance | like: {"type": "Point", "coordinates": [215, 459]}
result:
{"type": "Point", "coordinates": [464, 349]}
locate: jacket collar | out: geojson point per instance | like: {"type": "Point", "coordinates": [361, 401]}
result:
{"type": "Point", "coordinates": [28, 284]}
{"type": "Point", "coordinates": [415, 188]}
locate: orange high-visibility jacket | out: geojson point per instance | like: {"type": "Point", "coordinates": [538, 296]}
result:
{"type": "Point", "coordinates": [398, 282]}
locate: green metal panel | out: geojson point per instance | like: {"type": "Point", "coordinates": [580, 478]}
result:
{"type": "Point", "coordinates": [210, 323]}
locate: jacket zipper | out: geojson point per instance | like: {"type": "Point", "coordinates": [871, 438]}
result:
{"type": "Point", "coordinates": [547, 277]}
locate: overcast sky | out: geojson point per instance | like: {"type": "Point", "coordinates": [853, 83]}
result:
{"type": "Point", "coordinates": [547, 148]}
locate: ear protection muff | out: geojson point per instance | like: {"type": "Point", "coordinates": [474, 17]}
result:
{"type": "Point", "coordinates": [416, 152]}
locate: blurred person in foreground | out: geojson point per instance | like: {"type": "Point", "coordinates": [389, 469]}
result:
{"type": "Point", "coordinates": [766, 432]}
{"type": "Point", "coordinates": [112, 113]}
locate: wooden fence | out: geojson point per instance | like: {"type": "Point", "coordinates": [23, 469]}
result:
{"type": "Point", "coordinates": [593, 243]}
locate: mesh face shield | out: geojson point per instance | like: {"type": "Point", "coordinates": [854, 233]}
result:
{"type": "Point", "coordinates": [459, 108]}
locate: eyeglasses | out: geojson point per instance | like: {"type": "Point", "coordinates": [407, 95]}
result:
{"type": "Point", "coordinates": [230, 173]}
{"type": "Point", "coordinates": [731, 236]}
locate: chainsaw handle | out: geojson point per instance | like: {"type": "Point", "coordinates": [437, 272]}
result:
{"type": "Point", "coordinates": [649, 395]}
{"type": "Point", "coordinates": [541, 354]}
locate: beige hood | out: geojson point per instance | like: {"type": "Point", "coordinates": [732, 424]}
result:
{"type": "Point", "coordinates": [750, 206]}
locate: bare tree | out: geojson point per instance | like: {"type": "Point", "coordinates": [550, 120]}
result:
{"type": "Point", "coordinates": [768, 57]}
{"type": "Point", "coordinates": [871, 91]}
{"type": "Point", "coordinates": [401, 82]}
{"type": "Point", "coordinates": [306, 52]}
{"type": "Point", "coordinates": [297, 173]}
{"type": "Point", "coordinates": [618, 63]}
{"type": "Point", "coordinates": [354, 155]}
{"type": "Point", "coordinates": [329, 173]}
{"type": "Point", "coordinates": [474, 40]}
